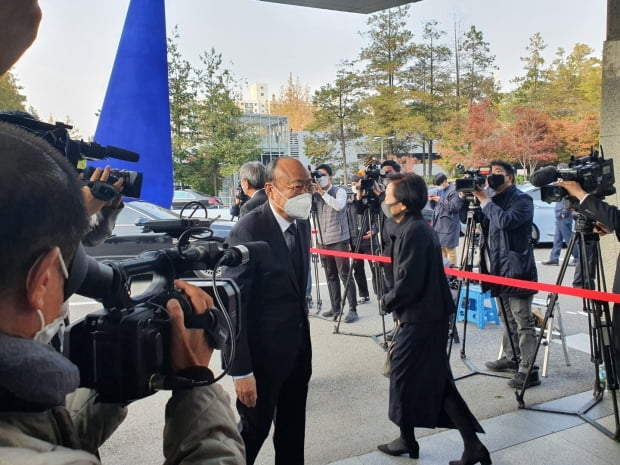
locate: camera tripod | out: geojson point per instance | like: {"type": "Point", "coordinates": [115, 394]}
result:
{"type": "Point", "coordinates": [315, 238]}
{"type": "Point", "coordinates": [370, 217]}
{"type": "Point", "coordinates": [467, 263]}
{"type": "Point", "coordinates": [599, 324]}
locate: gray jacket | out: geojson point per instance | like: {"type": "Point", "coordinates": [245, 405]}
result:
{"type": "Point", "coordinates": [35, 428]}
{"type": "Point", "coordinates": [200, 429]}
{"type": "Point", "coordinates": [331, 210]}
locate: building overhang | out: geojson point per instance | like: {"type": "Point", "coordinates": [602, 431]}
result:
{"type": "Point", "coordinates": [352, 6]}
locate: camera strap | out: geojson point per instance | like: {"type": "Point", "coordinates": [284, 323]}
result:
{"type": "Point", "coordinates": [185, 379]}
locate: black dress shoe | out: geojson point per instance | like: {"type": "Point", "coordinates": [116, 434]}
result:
{"type": "Point", "coordinates": [398, 447]}
{"type": "Point", "coordinates": [479, 454]}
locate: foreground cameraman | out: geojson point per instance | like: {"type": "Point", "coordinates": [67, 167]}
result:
{"type": "Point", "coordinates": [43, 419]}
{"type": "Point", "coordinates": [608, 219]}
{"type": "Point", "coordinates": [506, 250]}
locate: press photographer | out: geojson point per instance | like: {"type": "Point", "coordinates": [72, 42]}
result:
{"type": "Point", "coordinates": [331, 208]}
{"type": "Point", "coordinates": [385, 227]}
{"type": "Point", "coordinates": [506, 250]}
{"type": "Point", "coordinates": [44, 418]}
{"type": "Point", "coordinates": [595, 176]}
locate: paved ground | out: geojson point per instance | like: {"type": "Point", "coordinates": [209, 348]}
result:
{"type": "Point", "coordinates": [347, 404]}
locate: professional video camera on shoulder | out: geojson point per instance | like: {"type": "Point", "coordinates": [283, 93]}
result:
{"type": "Point", "coordinates": [371, 173]}
{"type": "Point", "coordinates": [78, 152]}
{"type": "Point", "coordinates": [592, 172]}
{"type": "Point", "coordinates": [471, 179]}
{"type": "Point", "coordinates": [122, 350]}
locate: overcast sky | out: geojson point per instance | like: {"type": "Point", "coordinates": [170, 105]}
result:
{"type": "Point", "coordinates": [67, 69]}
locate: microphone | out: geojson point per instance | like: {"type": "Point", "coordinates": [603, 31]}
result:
{"type": "Point", "coordinates": [100, 152]}
{"type": "Point", "coordinates": [544, 176]}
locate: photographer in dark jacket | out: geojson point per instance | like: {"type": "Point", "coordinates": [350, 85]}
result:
{"type": "Point", "coordinates": [506, 250]}
{"type": "Point", "coordinates": [607, 219]}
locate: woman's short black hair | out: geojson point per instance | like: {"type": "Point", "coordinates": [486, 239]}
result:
{"type": "Point", "coordinates": [410, 189]}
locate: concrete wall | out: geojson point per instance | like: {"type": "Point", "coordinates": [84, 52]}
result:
{"type": "Point", "coordinates": [610, 123]}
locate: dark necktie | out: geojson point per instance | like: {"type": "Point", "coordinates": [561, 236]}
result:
{"type": "Point", "coordinates": [290, 235]}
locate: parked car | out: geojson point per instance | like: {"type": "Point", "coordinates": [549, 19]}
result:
{"type": "Point", "coordinates": [543, 228]}
{"type": "Point", "coordinates": [184, 196]}
{"type": "Point", "coordinates": [131, 235]}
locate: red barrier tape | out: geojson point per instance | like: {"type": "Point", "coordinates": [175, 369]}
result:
{"type": "Point", "coordinates": [535, 286]}
{"type": "Point", "coordinates": [355, 256]}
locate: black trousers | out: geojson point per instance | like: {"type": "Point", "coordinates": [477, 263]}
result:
{"type": "Point", "coordinates": [281, 401]}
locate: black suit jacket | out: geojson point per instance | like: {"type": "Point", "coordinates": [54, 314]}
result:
{"type": "Point", "coordinates": [257, 200]}
{"type": "Point", "coordinates": [273, 295]}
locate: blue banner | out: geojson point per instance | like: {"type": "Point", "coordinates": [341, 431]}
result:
{"type": "Point", "coordinates": [136, 111]}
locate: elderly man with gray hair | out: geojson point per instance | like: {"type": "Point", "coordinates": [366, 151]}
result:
{"type": "Point", "coordinates": [252, 181]}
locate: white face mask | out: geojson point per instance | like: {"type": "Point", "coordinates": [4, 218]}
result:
{"type": "Point", "coordinates": [323, 181]}
{"type": "Point", "coordinates": [297, 207]}
{"type": "Point", "coordinates": [47, 332]}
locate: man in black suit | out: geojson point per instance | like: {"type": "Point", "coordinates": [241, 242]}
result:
{"type": "Point", "coordinates": [272, 367]}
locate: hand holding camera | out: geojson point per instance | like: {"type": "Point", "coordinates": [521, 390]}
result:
{"type": "Point", "coordinates": [99, 193]}
{"type": "Point", "coordinates": [188, 347]}
{"type": "Point", "coordinates": [574, 189]}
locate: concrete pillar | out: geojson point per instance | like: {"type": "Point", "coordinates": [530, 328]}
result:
{"type": "Point", "coordinates": [610, 123]}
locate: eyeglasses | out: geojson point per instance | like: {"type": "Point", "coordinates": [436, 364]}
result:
{"type": "Point", "coordinates": [297, 188]}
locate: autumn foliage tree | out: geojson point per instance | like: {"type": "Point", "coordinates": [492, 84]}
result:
{"type": "Point", "coordinates": [529, 139]}
{"type": "Point", "coordinates": [295, 102]}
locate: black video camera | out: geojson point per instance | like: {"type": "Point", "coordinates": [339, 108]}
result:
{"type": "Point", "coordinates": [132, 180]}
{"type": "Point", "coordinates": [77, 152]}
{"type": "Point", "coordinates": [316, 174]}
{"type": "Point", "coordinates": [122, 350]}
{"type": "Point", "coordinates": [372, 173]}
{"type": "Point", "coordinates": [472, 179]}
{"type": "Point", "coordinates": [240, 195]}
{"type": "Point", "coordinates": [594, 174]}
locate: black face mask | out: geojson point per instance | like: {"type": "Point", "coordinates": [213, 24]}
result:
{"type": "Point", "coordinates": [496, 180]}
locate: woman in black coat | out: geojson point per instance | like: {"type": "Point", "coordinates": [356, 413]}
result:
{"type": "Point", "coordinates": [422, 389]}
